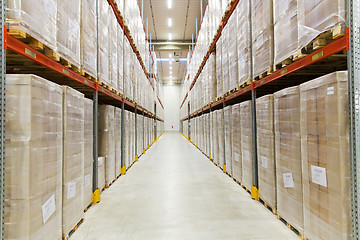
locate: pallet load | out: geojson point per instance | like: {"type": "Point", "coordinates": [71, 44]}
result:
{"type": "Point", "coordinates": [103, 41]}
{"type": "Point", "coordinates": [117, 142]}
{"type": "Point", "coordinates": [88, 34]}
{"type": "Point", "coordinates": [36, 18]}
{"type": "Point", "coordinates": [88, 152]}
{"type": "Point", "coordinates": [325, 157]}
{"type": "Point", "coordinates": [73, 159]}
{"type": "Point", "coordinates": [212, 76]}
{"type": "Point", "coordinates": [219, 66]}
{"type": "Point", "coordinates": [232, 51]}
{"type": "Point", "coordinates": [68, 32]}
{"type": "Point", "coordinates": [120, 49]}
{"type": "Point", "coordinates": [33, 142]}
{"type": "Point", "coordinates": [106, 144]}
{"type": "Point", "coordinates": [236, 142]}
{"type": "Point", "coordinates": [225, 59]}
{"type": "Point", "coordinates": [214, 139]}
{"type": "Point", "coordinates": [101, 173]}
{"type": "Point", "coordinates": [113, 50]}
{"type": "Point", "coordinates": [220, 120]}
{"type": "Point", "coordinates": [266, 150]}
{"type": "Point", "coordinates": [263, 36]}
{"type": "Point", "coordinates": [228, 139]}
{"type": "Point", "coordinates": [288, 157]}
{"type": "Point", "coordinates": [243, 41]}
{"type": "Point", "coordinates": [246, 144]}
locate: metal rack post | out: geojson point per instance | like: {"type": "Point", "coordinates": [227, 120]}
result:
{"type": "Point", "coordinates": [353, 15]}
{"type": "Point", "coordinates": [223, 130]}
{"type": "Point", "coordinates": [189, 124]}
{"type": "Point", "coordinates": [143, 130]}
{"type": "Point", "coordinates": [155, 128]}
{"type": "Point", "coordinates": [96, 190]}
{"type": "Point", "coordinates": [2, 109]}
{"type": "Point", "coordinates": [136, 137]}
{"type": "Point", "coordinates": [123, 167]}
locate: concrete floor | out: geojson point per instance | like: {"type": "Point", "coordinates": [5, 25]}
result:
{"type": "Point", "coordinates": [175, 192]}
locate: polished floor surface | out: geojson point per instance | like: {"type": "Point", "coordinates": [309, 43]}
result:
{"type": "Point", "coordinates": [175, 192]}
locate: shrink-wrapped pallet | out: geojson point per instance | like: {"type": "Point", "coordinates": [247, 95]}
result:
{"type": "Point", "coordinates": [285, 29]}
{"type": "Point", "coordinates": [103, 41]}
{"type": "Point", "coordinates": [113, 51]}
{"type": "Point", "coordinates": [73, 159]}
{"type": "Point", "coordinates": [117, 141]}
{"type": "Point", "coordinates": [120, 49]}
{"type": "Point", "coordinates": [232, 51]}
{"type": "Point", "coordinates": [106, 132]}
{"type": "Point", "coordinates": [68, 31]}
{"type": "Point", "coordinates": [236, 142]}
{"type": "Point", "coordinates": [221, 140]}
{"type": "Point", "coordinates": [288, 156]}
{"type": "Point", "coordinates": [228, 138]}
{"type": "Point", "coordinates": [243, 41]}
{"type": "Point", "coordinates": [212, 76]}
{"type": "Point", "coordinates": [324, 125]}
{"type": "Point", "coordinates": [88, 152]}
{"type": "Point", "coordinates": [218, 63]}
{"type": "Point", "coordinates": [88, 35]}
{"type": "Point", "coordinates": [132, 136]}
{"type": "Point", "coordinates": [211, 139]}
{"type": "Point", "coordinates": [33, 159]}
{"type": "Point", "coordinates": [34, 17]}
{"type": "Point", "coordinates": [225, 58]}
{"type": "Point", "coordinates": [246, 144]}
{"type": "Point", "coordinates": [316, 17]}
{"type": "Point", "coordinates": [262, 36]}
{"type": "Point", "coordinates": [215, 137]}
{"type": "Point", "coordinates": [126, 139]}
{"type": "Point", "coordinates": [266, 149]}
{"type": "Point", "coordinates": [127, 65]}
{"type": "Point", "coordinates": [101, 173]}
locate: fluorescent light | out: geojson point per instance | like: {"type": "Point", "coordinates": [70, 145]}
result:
{"type": "Point", "coordinates": [170, 37]}
{"type": "Point", "coordinates": [170, 68]}
{"type": "Point", "coordinates": [169, 21]}
{"type": "Point", "coordinates": [169, 3]}
{"type": "Point", "coordinates": [170, 72]}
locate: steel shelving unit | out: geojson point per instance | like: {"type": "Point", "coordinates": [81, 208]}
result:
{"type": "Point", "coordinates": [18, 57]}
{"type": "Point", "coordinates": [325, 60]}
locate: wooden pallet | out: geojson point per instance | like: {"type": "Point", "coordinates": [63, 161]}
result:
{"type": "Point", "coordinates": [269, 71]}
{"type": "Point", "coordinates": [292, 228]}
{"type": "Point", "coordinates": [273, 210]}
{"type": "Point", "coordinates": [66, 236]}
{"type": "Point", "coordinates": [88, 76]}
{"type": "Point", "coordinates": [245, 84]}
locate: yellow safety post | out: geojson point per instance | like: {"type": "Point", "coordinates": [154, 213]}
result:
{"type": "Point", "coordinates": [224, 168]}
{"type": "Point", "coordinates": [123, 170]}
{"type": "Point", "coordinates": [210, 156]}
{"type": "Point", "coordinates": [148, 146]}
{"type": "Point", "coordinates": [254, 193]}
{"type": "Point", "coordinates": [136, 158]}
{"type": "Point", "coordinates": [143, 150]}
{"type": "Point", "coordinates": [96, 196]}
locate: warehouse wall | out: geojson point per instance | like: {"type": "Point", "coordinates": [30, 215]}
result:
{"type": "Point", "coordinates": [172, 105]}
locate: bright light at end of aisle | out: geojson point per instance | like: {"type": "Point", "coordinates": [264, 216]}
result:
{"type": "Point", "coordinates": [169, 3]}
{"type": "Point", "coordinates": [169, 55]}
{"type": "Point", "coordinates": [170, 37]}
{"type": "Point", "coordinates": [169, 21]}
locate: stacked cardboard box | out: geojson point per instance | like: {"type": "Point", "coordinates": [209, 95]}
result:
{"type": "Point", "coordinates": [103, 41]}
{"type": "Point", "coordinates": [73, 158]}
{"type": "Point", "coordinates": [325, 157]}
{"type": "Point", "coordinates": [228, 138]}
{"type": "Point", "coordinates": [288, 156]}
{"type": "Point", "coordinates": [232, 51]}
{"type": "Point", "coordinates": [106, 144]}
{"type": "Point", "coordinates": [120, 53]}
{"type": "Point", "coordinates": [221, 143]}
{"type": "Point", "coordinates": [117, 141]}
{"type": "Point", "coordinates": [113, 50]}
{"type": "Point", "coordinates": [266, 149]}
{"type": "Point", "coordinates": [246, 144]}
{"type": "Point", "coordinates": [236, 142]}
{"type": "Point", "coordinates": [33, 161]}
{"type": "Point", "coordinates": [88, 152]}
{"type": "Point", "coordinates": [243, 41]}
{"type": "Point", "coordinates": [225, 58]}
{"type": "Point", "coordinates": [219, 71]}
{"type": "Point", "coordinates": [101, 173]}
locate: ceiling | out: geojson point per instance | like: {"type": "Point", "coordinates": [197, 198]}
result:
{"type": "Point", "coordinates": [183, 14]}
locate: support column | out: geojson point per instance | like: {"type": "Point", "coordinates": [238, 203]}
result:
{"type": "Point", "coordinates": [223, 130]}
{"type": "Point", "coordinates": [143, 130]}
{"type": "Point", "coordinates": [96, 190]}
{"type": "Point", "coordinates": [155, 122]}
{"type": "Point", "coordinates": [123, 166]}
{"type": "Point", "coordinates": [136, 137]}
{"type": "Point", "coordinates": [189, 124]}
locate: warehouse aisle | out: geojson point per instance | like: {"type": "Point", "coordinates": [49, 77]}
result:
{"type": "Point", "coordinates": [175, 192]}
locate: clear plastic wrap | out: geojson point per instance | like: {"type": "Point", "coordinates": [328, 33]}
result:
{"type": "Point", "coordinates": [215, 137]}
{"type": "Point", "coordinates": [220, 120]}
{"type": "Point", "coordinates": [228, 139]}
{"type": "Point", "coordinates": [243, 41]}
{"type": "Point", "coordinates": [113, 51]}
{"type": "Point", "coordinates": [236, 143]}
{"type": "Point", "coordinates": [219, 72]}
{"type": "Point", "coordinates": [33, 160]}
{"type": "Point", "coordinates": [88, 35]}
{"type": "Point", "coordinates": [285, 29]}
{"type": "Point", "coordinates": [88, 152]}
{"type": "Point", "coordinates": [232, 51]}
{"type": "Point", "coordinates": [68, 31]}
{"type": "Point", "coordinates": [104, 22]}
{"type": "Point", "coordinates": [324, 125]}
{"type": "Point", "coordinates": [316, 17]}
{"type": "Point", "coordinates": [126, 138]}
{"type": "Point", "coordinates": [117, 141]}
{"type": "Point", "coordinates": [106, 144]}
{"type": "Point", "coordinates": [101, 173]}
{"type": "Point", "coordinates": [212, 76]}
{"type": "Point", "coordinates": [73, 158]}
{"type": "Point", "coordinates": [246, 144]}
{"type": "Point", "coordinates": [263, 36]}
{"type": "Point", "coordinates": [225, 58]}
{"type": "Point", "coordinates": [288, 156]}
{"type": "Point", "coordinates": [266, 149]}
{"type": "Point", "coordinates": [34, 17]}
{"type": "Point", "coordinates": [120, 49]}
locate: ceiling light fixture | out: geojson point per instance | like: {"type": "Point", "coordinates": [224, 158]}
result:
{"type": "Point", "coordinates": [169, 21]}
{"type": "Point", "coordinates": [169, 3]}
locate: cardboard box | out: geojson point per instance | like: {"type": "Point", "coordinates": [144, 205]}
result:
{"type": "Point", "coordinates": [117, 141]}
{"type": "Point", "coordinates": [88, 152]}
{"type": "Point", "coordinates": [228, 139]}
{"type": "Point", "coordinates": [236, 142]}
{"type": "Point", "coordinates": [246, 144]}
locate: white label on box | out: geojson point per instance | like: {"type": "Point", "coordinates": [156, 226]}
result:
{"type": "Point", "coordinates": [48, 208]}
{"type": "Point", "coordinates": [87, 180]}
{"type": "Point", "coordinates": [237, 157]}
{"type": "Point", "coordinates": [318, 175]}
{"type": "Point", "coordinates": [330, 90]}
{"type": "Point", "coordinates": [71, 189]}
{"type": "Point", "coordinates": [264, 162]}
{"type": "Point", "coordinates": [288, 180]}
{"type": "Point", "coordinates": [246, 155]}
{"type": "Point", "coordinates": [50, 8]}
{"type": "Point", "coordinates": [100, 161]}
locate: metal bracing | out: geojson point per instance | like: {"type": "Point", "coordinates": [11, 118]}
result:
{"type": "Point", "coordinates": [2, 109]}
{"type": "Point", "coordinates": [155, 123]}
{"type": "Point", "coordinates": [254, 139]}
{"type": "Point", "coordinates": [223, 130]}
{"type": "Point", "coordinates": [136, 134]}
{"type": "Point", "coordinates": [122, 135]}
{"type": "Point", "coordinates": [95, 140]}
{"type": "Point", "coordinates": [353, 15]}
{"type": "Point", "coordinates": [189, 124]}
{"type": "Point", "coordinates": [143, 130]}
